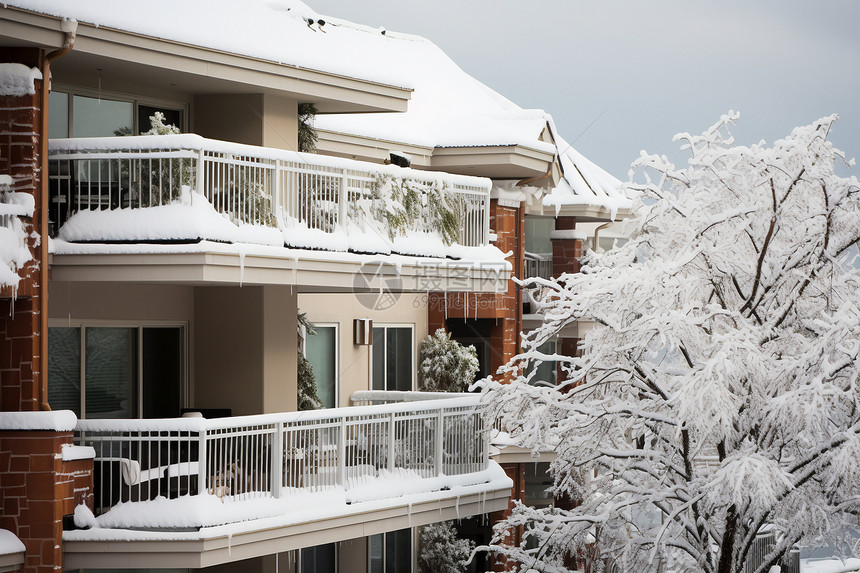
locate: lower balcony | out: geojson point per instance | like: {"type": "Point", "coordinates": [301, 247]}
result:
{"type": "Point", "coordinates": [190, 492]}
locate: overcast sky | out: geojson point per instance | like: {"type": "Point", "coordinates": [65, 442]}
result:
{"type": "Point", "coordinates": [619, 76]}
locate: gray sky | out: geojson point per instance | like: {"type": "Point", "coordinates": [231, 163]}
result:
{"type": "Point", "coordinates": [619, 76]}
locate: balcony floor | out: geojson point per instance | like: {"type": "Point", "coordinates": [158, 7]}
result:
{"type": "Point", "coordinates": [109, 548]}
{"type": "Point", "coordinates": [209, 262]}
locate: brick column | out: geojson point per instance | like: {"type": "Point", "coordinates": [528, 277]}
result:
{"type": "Point", "coordinates": [566, 246]}
{"type": "Point", "coordinates": [20, 326]}
{"type": "Point", "coordinates": [516, 472]}
{"type": "Point", "coordinates": [38, 488]}
{"type": "Point", "coordinates": [508, 223]}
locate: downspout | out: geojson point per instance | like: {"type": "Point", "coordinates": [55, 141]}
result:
{"type": "Point", "coordinates": [597, 233]}
{"type": "Point", "coordinates": [69, 28]}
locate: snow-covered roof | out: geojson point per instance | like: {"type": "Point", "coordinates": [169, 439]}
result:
{"type": "Point", "coordinates": [273, 30]}
{"type": "Point", "coordinates": [449, 108]}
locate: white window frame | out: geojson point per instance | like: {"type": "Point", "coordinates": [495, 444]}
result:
{"type": "Point", "coordinates": [83, 324]}
{"type": "Point", "coordinates": [414, 369]}
{"type": "Point", "coordinates": [337, 345]}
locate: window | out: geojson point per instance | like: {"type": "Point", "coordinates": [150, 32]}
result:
{"type": "Point", "coordinates": [393, 352]}
{"type": "Point", "coordinates": [538, 480]}
{"type": "Point", "coordinates": [319, 559]}
{"type": "Point", "coordinates": [92, 117]}
{"type": "Point", "coordinates": [390, 552]}
{"type": "Point", "coordinates": [546, 372]}
{"type": "Point", "coordinates": [88, 114]}
{"type": "Point", "coordinates": [116, 371]}
{"type": "Point", "coordinates": [321, 352]}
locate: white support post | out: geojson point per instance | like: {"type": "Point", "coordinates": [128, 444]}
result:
{"type": "Point", "coordinates": [276, 192]}
{"type": "Point", "coordinates": [342, 199]}
{"type": "Point", "coordinates": [277, 455]}
{"type": "Point", "coordinates": [341, 453]}
{"type": "Point", "coordinates": [391, 442]}
{"type": "Point", "coordinates": [201, 462]}
{"type": "Point", "coordinates": [440, 429]}
{"type": "Point", "coordinates": [485, 232]}
{"type": "Point", "coordinates": [200, 173]}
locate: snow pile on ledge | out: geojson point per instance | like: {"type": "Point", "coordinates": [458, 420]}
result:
{"type": "Point", "coordinates": [57, 420]}
{"type": "Point", "coordinates": [18, 80]}
{"type": "Point", "coordinates": [14, 253]}
{"type": "Point", "coordinates": [294, 506]}
{"type": "Point", "coordinates": [9, 543]}
{"type": "Point", "coordinates": [192, 218]}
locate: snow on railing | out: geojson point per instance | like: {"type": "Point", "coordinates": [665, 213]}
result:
{"type": "Point", "coordinates": [274, 455]}
{"type": "Point", "coordinates": [256, 185]}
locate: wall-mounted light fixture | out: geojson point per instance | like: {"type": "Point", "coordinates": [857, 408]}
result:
{"type": "Point", "coordinates": [362, 332]}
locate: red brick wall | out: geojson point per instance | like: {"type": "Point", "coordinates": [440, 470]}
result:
{"type": "Point", "coordinates": [20, 157]}
{"type": "Point", "coordinates": [508, 224]}
{"type": "Point", "coordinates": [517, 473]}
{"type": "Point", "coordinates": [20, 320]}
{"type": "Point", "coordinates": [565, 252]}
{"type": "Point", "coordinates": [19, 355]}
{"type": "Point", "coordinates": [37, 489]}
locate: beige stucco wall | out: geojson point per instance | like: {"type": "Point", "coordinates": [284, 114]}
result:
{"type": "Point", "coordinates": [229, 117]}
{"type": "Point", "coordinates": [255, 119]}
{"type": "Point", "coordinates": [341, 309]}
{"type": "Point", "coordinates": [280, 122]}
{"type": "Point", "coordinates": [246, 347]}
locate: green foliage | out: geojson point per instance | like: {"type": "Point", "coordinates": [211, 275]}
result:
{"type": "Point", "coordinates": [441, 550]}
{"type": "Point", "coordinates": [308, 398]}
{"type": "Point", "coordinates": [445, 364]}
{"type": "Point", "coordinates": [307, 385]}
{"type": "Point", "coordinates": [153, 182]}
{"type": "Point", "coordinates": [400, 203]}
{"type": "Point", "coordinates": [307, 134]}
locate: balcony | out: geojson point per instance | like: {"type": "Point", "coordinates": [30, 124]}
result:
{"type": "Point", "coordinates": [191, 492]}
{"type": "Point", "coordinates": [191, 194]}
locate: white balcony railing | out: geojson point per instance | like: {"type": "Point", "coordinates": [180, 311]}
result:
{"type": "Point", "coordinates": [277, 455]}
{"type": "Point", "coordinates": [291, 191]}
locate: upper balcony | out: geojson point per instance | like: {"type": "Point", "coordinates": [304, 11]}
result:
{"type": "Point", "coordinates": [185, 191]}
{"type": "Point", "coordinates": [191, 493]}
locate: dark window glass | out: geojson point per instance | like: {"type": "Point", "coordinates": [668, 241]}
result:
{"type": "Point", "coordinates": [319, 559]}
{"type": "Point", "coordinates": [144, 112]}
{"type": "Point", "coordinates": [64, 369]}
{"type": "Point", "coordinates": [111, 372]}
{"type": "Point", "coordinates": [162, 372]}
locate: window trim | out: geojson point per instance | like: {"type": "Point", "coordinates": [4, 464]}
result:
{"type": "Point", "coordinates": [413, 358]}
{"type": "Point", "coordinates": [139, 325]}
{"type": "Point", "coordinates": [337, 346]}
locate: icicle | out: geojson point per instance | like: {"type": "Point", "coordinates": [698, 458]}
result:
{"type": "Point", "coordinates": [241, 266]}
{"type": "Point", "coordinates": [446, 306]}
{"type": "Point", "coordinates": [457, 506]}
{"type": "Point", "coordinates": [409, 512]}
{"type": "Point", "coordinates": [230, 543]}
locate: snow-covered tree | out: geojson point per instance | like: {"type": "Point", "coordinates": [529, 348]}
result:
{"type": "Point", "coordinates": [719, 392]}
{"type": "Point", "coordinates": [306, 382]}
{"type": "Point", "coordinates": [441, 550]}
{"type": "Point", "coordinates": [446, 365]}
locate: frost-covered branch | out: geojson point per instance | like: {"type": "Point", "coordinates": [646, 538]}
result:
{"type": "Point", "coordinates": [720, 393]}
